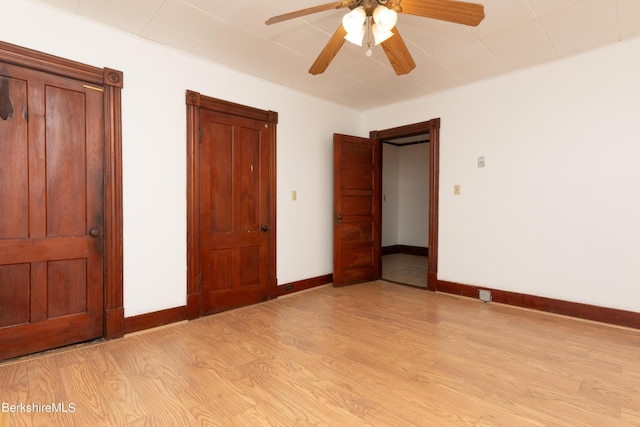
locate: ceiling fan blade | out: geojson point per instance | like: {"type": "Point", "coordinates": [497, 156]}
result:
{"type": "Point", "coordinates": [398, 54]}
{"type": "Point", "coordinates": [446, 10]}
{"type": "Point", "coordinates": [329, 52]}
{"type": "Point", "coordinates": [307, 11]}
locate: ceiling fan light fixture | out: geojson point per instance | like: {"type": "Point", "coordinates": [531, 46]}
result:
{"type": "Point", "coordinates": [355, 37]}
{"type": "Point", "coordinates": [378, 35]}
{"type": "Point", "coordinates": [385, 18]}
{"type": "Point", "coordinates": [353, 23]}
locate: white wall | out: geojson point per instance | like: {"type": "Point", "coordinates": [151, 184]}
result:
{"type": "Point", "coordinates": [390, 195]}
{"type": "Point", "coordinates": [555, 211]}
{"type": "Point", "coordinates": [154, 149]}
{"type": "Point", "coordinates": [405, 189]}
{"type": "Point", "coordinates": [413, 224]}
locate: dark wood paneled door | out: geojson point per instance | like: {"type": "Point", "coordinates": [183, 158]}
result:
{"type": "Point", "coordinates": [356, 180]}
{"type": "Point", "coordinates": [234, 170]}
{"type": "Point", "coordinates": [51, 211]}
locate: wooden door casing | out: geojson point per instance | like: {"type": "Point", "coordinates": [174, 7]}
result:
{"type": "Point", "coordinates": [54, 189]}
{"type": "Point", "coordinates": [224, 235]}
{"type": "Point", "coordinates": [356, 180]}
{"type": "Point", "coordinates": [432, 127]}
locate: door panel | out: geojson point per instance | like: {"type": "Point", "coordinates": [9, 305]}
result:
{"type": "Point", "coordinates": [51, 195]}
{"type": "Point", "coordinates": [14, 158]}
{"type": "Point", "coordinates": [18, 311]}
{"type": "Point", "coordinates": [234, 205]}
{"type": "Point", "coordinates": [361, 205]}
{"type": "Point", "coordinates": [356, 232]}
{"type": "Point", "coordinates": [65, 180]}
{"type": "Point", "coordinates": [356, 181]}
{"type": "Point", "coordinates": [67, 290]}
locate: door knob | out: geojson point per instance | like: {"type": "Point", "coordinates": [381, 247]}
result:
{"type": "Point", "coordinates": [94, 232]}
{"type": "Point", "coordinates": [264, 228]}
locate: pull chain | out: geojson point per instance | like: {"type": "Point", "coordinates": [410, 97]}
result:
{"type": "Point", "coordinates": [368, 52]}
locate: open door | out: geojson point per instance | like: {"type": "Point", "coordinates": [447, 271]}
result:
{"type": "Point", "coordinates": [356, 204]}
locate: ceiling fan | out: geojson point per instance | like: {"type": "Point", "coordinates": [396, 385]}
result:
{"type": "Point", "coordinates": [376, 19]}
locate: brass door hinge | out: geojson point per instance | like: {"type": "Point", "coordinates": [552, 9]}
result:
{"type": "Point", "coordinates": [99, 89]}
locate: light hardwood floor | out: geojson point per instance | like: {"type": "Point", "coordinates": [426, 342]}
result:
{"type": "Point", "coordinates": [370, 354]}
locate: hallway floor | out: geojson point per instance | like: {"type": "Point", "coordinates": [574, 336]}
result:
{"type": "Point", "coordinates": [406, 269]}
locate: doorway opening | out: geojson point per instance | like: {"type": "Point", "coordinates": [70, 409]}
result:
{"type": "Point", "coordinates": [412, 134]}
{"type": "Point", "coordinates": [405, 210]}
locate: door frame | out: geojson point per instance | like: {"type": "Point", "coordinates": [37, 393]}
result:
{"type": "Point", "coordinates": [195, 101]}
{"type": "Point", "coordinates": [433, 127]}
{"type": "Point", "coordinates": [110, 82]}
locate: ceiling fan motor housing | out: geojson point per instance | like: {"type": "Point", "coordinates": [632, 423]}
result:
{"type": "Point", "coordinates": [370, 5]}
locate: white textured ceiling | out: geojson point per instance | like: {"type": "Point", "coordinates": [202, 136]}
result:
{"type": "Point", "coordinates": [514, 34]}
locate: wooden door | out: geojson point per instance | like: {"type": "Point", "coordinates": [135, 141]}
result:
{"type": "Point", "coordinates": [234, 210]}
{"type": "Point", "coordinates": [356, 184]}
{"type": "Point", "coordinates": [51, 211]}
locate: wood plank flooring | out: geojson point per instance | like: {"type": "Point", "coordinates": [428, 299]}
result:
{"type": "Point", "coordinates": [375, 354]}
